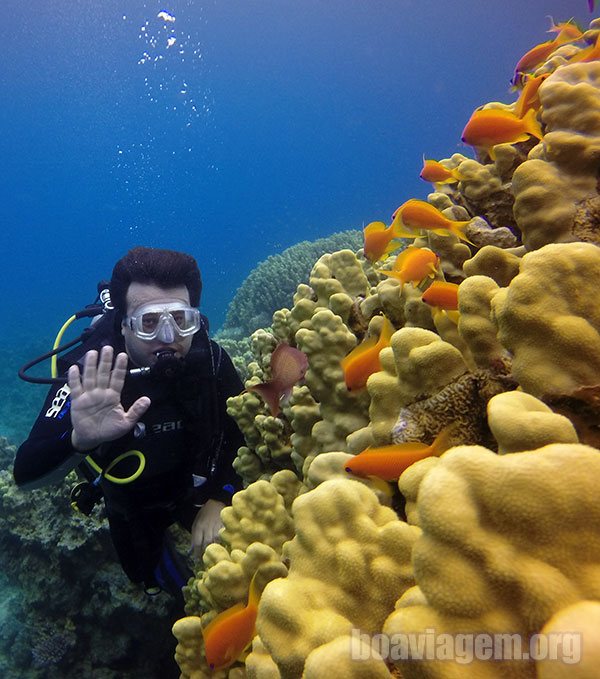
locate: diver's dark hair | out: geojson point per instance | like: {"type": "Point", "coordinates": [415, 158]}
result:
{"type": "Point", "coordinates": [165, 268]}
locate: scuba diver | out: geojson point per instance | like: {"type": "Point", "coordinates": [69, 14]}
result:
{"type": "Point", "coordinates": [142, 415]}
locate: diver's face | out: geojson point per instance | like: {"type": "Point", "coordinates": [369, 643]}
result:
{"type": "Point", "coordinates": [144, 352]}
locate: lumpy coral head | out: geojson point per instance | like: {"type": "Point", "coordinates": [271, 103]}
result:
{"type": "Point", "coordinates": [549, 319]}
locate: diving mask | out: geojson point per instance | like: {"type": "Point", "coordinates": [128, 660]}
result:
{"type": "Point", "coordinates": [163, 321]}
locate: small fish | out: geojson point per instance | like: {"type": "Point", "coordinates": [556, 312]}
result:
{"type": "Point", "coordinates": [539, 54]}
{"type": "Point", "coordinates": [415, 215]}
{"type": "Point", "coordinates": [529, 97]}
{"type": "Point", "coordinates": [434, 172]}
{"type": "Point", "coordinates": [414, 265]}
{"type": "Point", "coordinates": [490, 127]}
{"type": "Point", "coordinates": [591, 4]}
{"type": "Point", "coordinates": [442, 295]}
{"type": "Point", "coordinates": [363, 360]}
{"type": "Point", "coordinates": [288, 366]}
{"type": "Point", "coordinates": [589, 53]}
{"type": "Point", "coordinates": [230, 633]}
{"type": "Point", "coordinates": [380, 240]}
{"type": "Point", "coordinates": [389, 462]}
{"type": "Point", "coordinates": [569, 31]}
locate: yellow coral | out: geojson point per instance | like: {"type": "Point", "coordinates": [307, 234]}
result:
{"type": "Point", "coordinates": [257, 514]}
{"type": "Point", "coordinates": [562, 175]}
{"type": "Point", "coordinates": [507, 542]}
{"type": "Point", "coordinates": [549, 319]}
{"type": "Point", "coordinates": [348, 550]}
{"type": "Point", "coordinates": [520, 422]}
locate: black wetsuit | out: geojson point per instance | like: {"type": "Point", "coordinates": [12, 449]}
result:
{"type": "Point", "coordinates": [185, 435]}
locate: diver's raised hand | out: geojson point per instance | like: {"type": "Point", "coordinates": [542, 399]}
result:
{"type": "Point", "coordinates": [97, 414]}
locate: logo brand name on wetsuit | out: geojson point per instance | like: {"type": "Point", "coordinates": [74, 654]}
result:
{"type": "Point", "coordinates": [58, 401]}
{"type": "Point", "coordinates": [163, 427]}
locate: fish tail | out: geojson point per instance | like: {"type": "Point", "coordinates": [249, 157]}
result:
{"type": "Point", "coordinates": [387, 331]}
{"type": "Point", "coordinates": [253, 592]}
{"type": "Point", "coordinates": [270, 394]}
{"type": "Point", "coordinates": [443, 441]}
{"type": "Point", "coordinates": [459, 229]}
{"type": "Point", "coordinates": [532, 124]}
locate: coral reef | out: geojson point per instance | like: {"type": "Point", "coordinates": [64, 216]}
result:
{"type": "Point", "coordinates": [502, 530]}
{"type": "Point", "coordinates": [521, 529]}
{"type": "Point", "coordinates": [67, 581]}
{"type": "Point", "coordinates": [273, 282]}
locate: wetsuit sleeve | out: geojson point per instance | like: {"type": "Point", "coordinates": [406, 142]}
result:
{"type": "Point", "coordinates": [225, 481]}
{"type": "Point", "coordinates": [47, 455]}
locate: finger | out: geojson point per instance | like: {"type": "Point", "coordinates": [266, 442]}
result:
{"type": "Point", "coordinates": [117, 376]}
{"type": "Point", "coordinates": [89, 370]}
{"type": "Point", "coordinates": [104, 367]}
{"type": "Point", "coordinates": [74, 382]}
{"type": "Point", "coordinates": [137, 410]}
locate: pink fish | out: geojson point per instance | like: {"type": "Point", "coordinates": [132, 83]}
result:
{"type": "Point", "coordinates": [288, 366]}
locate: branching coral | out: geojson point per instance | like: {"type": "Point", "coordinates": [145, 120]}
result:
{"type": "Point", "coordinates": [272, 283]}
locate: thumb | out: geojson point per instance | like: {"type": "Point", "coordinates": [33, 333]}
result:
{"type": "Point", "coordinates": [137, 409]}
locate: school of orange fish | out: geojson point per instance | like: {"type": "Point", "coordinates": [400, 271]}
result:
{"type": "Point", "coordinates": [230, 633]}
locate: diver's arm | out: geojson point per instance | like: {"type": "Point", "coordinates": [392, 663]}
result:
{"type": "Point", "coordinates": [48, 455]}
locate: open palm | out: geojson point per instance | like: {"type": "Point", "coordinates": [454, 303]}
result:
{"type": "Point", "coordinates": [97, 414]}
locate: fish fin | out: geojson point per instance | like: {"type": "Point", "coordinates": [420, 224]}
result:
{"type": "Point", "coordinates": [393, 245]}
{"type": "Point", "coordinates": [459, 228]}
{"type": "Point", "coordinates": [387, 331]}
{"type": "Point", "coordinates": [453, 315]}
{"type": "Point", "coordinates": [532, 124]}
{"type": "Point", "coordinates": [443, 441]}
{"type": "Point", "coordinates": [402, 257]}
{"type": "Point", "coordinates": [382, 486]}
{"type": "Point", "coordinates": [223, 615]}
{"type": "Point", "coordinates": [365, 345]}
{"type": "Point", "coordinates": [374, 227]}
{"type": "Point", "coordinates": [390, 274]}
{"type": "Point", "coordinates": [270, 394]}
{"type": "Point", "coordinates": [253, 592]}
{"type": "Point", "coordinates": [401, 231]}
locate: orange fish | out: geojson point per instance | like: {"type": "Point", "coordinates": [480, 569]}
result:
{"type": "Point", "coordinates": [442, 295]}
{"type": "Point", "coordinates": [419, 215]}
{"type": "Point", "coordinates": [388, 462]}
{"type": "Point", "coordinates": [363, 360]}
{"type": "Point", "coordinates": [380, 240]}
{"type": "Point", "coordinates": [227, 635]}
{"type": "Point", "coordinates": [529, 97]}
{"type": "Point", "coordinates": [414, 265]}
{"type": "Point", "coordinates": [288, 366]}
{"type": "Point", "coordinates": [540, 53]}
{"type": "Point", "coordinates": [568, 31]}
{"type": "Point", "coordinates": [589, 53]}
{"type": "Point", "coordinates": [434, 172]}
{"type": "Point", "coordinates": [489, 127]}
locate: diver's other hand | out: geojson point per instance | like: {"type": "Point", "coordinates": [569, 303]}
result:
{"type": "Point", "coordinates": [206, 527]}
{"type": "Point", "coordinates": [96, 411]}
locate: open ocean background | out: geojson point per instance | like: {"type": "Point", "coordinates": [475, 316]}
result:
{"type": "Point", "coordinates": [232, 132]}
{"type": "Point", "coordinates": [238, 129]}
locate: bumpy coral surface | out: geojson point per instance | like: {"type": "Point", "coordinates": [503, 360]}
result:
{"type": "Point", "coordinates": [348, 550]}
{"type": "Point", "coordinates": [508, 541]}
{"type": "Point", "coordinates": [549, 319]}
{"type": "Point", "coordinates": [556, 196]}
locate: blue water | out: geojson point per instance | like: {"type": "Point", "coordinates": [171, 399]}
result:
{"type": "Point", "coordinates": [238, 129]}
